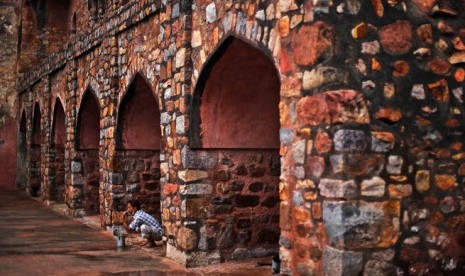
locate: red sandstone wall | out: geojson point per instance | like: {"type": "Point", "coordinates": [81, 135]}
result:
{"type": "Point", "coordinates": [8, 134]}
{"type": "Point", "coordinates": [90, 174]}
{"type": "Point", "coordinates": [9, 22]}
{"type": "Point", "coordinates": [140, 172]}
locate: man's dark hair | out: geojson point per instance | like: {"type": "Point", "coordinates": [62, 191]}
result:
{"type": "Point", "coordinates": [135, 204]}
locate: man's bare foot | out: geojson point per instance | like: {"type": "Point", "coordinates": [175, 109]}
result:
{"type": "Point", "coordinates": [148, 244]}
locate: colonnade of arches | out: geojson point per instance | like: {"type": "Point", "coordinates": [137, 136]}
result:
{"type": "Point", "coordinates": [234, 117]}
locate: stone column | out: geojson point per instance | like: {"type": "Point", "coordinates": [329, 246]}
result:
{"type": "Point", "coordinates": [29, 117]}
{"type": "Point", "coordinates": [174, 89]}
{"type": "Point", "coordinates": [45, 159]}
{"type": "Point", "coordinates": [111, 185]}
{"type": "Point", "coordinates": [73, 168]}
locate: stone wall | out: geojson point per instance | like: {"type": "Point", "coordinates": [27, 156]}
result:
{"type": "Point", "coordinates": [378, 188]}
{"type": "Point", "coordinates": [371, 131]}
{"type": "Point", "coordinates": [140, 179]}
{"type": "Point", "coordinates": [9, 22]}
{"type": "Point", "coordinates": [231, 199]}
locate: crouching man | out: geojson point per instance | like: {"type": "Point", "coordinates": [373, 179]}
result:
{"type": "Point", "coordinates": [144, 223]}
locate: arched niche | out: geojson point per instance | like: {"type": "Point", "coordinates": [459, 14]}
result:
{"type": "Point", "coordinates": [88, 124]}
{"type": "Point", "coordinates": [57, 20]}
{"type": "Point", "coordinates": [236, 100]}
{"type": "Point", "coordinates": [23, 123]}
{"type": "Point", "coordinates": [235, 125]}
{"type": "Point", "coordinates": [58, 127]}
{"type": "Point", "coordinates": [21, 159]}
{"type": "Point", "coordinates": [36, 121]}
{"type": "Point", "coordinates": [57, 152]}
{"type": "Point", "coordinates": [139, 118]}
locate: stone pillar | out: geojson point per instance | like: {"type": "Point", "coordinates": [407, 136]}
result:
{"type": "Point", "coordinates": [73, 167]}
{"type": "Point", "coordinates": [29, 115]}
{"type": "Point", "coordinates": [174, 87]}
{"type": "Point", "coordinates": [111, 191]}
{"type": "Point", "coordinates": [45, 160]}
{"type": "Point", "coordinates": [367, 119]}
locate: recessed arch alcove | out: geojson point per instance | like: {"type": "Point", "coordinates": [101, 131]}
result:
{"type": "Point", "coordinates": [21, 158]}
{"type": "Point", "coordinates": [58, 16]}
{"type": "Point", "coordinates": [138, 136]}
{"type": "Point", "coordinates": [138, 117]}
{"type": "Point", "coordinates": [235, 120]}
{"type": "Point", "coordinates": [36, 121]}
{"type": "Point", "coordinates": [57, 151]}
{"type": "Point", "coordinates": [236, 99]}
{"type": "Point", "coordinates": [35, 152]}
{"type": "Point", "coordinates": [87, 143]}
{"type": "Point", "coordinates": [88, 122]}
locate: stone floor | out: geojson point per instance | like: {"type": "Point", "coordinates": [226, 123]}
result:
{"type": "Point", "coordinates": [39, 240]}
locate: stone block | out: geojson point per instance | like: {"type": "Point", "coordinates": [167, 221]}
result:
{"type": "Point", "coordinates": [180, 125]}
{"type": "Point", "coordinates": [322, 142]}
{"type": "Point", "coordinates": [356, 164]}
{"type": "Point", "coordinates": [192, 175]}
{"type": "Point", "coordinates": [286, 136]}
{"type": "Point", "coordinates": [133, 188]}
{"type": "Point", "coordinates": [350, 140]}
{"type": "Point", "coordinates": [196, 189]}
{"type": "Point", "coordinates": [320, 76]}
{"type": "Point", "coordinates": [316, 166]}
{"type": "Point", "coordinates": [338, 188]}
{"type": "Point", "coordinates": [396, 38]}
{"type": "Point", "coordinates": [312, 43]}
{"type": "Point", "coordinates": [333, 107]}
{"type": "Point", "coordinates": [77, 180]}
{"type": "Point", "coordinates": [115, 178]}
{"type": "Point", "coordinates": [341, 263]}
{"type": "Point", "coordinates": [445, 182]}
{"type": "Point", "coordinates": [298, 152]}
{"type": "Point", "coordinates": [375, 267]}
{"type": "Point", "coordinates": [374, 187]}
{"type": "Point", "coordinates": [226, 237]}
{"type": "Point", "coordinates": [400, 191]}
{"type": "Point", "coordinates": [194, 208]}
{"type": "Point", "coordinates": [199, 160]}
{"type": "Point", "coordinates": [394, 165]}
{"type": "Point", "coordinates": [382, 141]}
{"type": "Point", "coordinates": [211, 13]}
{"type": "Point", "coordinates": [361, 225]}
{"type": "Point", "coordinates": [186, 239]}
{"type": "Point", "coordinates": [76, 166]}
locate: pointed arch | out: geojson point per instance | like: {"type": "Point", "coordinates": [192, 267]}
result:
{"type": "Point", "coordinates": [236, 99]}
{"type": "Point", "coordinates": [74, 24]}
{"type": "Point", "coordinates": [23, 122]}
{"type": "Point", "coordinates": [58, 137]}
{"type": "Point", "coordinates": [21, 157]}
{"type": "Point", "coordinates": [36, 125]}
{"type": "Point", "coordinates": [88, 122]}
{"type": "Point", "coordinates": [138, 123]}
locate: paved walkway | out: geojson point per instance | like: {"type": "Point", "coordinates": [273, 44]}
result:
{"type": "Point", "coordinates": [34, 240]}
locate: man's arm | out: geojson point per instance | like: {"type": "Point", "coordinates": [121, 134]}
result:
{"type": "Point", "coordinates": [125, 223]}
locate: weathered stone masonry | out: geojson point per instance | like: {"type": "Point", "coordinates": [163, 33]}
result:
{"type": "Point", "coordinates": [367, 174]}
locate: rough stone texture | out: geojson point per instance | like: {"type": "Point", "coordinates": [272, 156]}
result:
{"type": "Point", "coordinates": [350, 140]}
{"type": "Point", "coordinates": [9, 23]}
{"type": "Point", "coordinates": [373, 187]}
{"type": "Point", "coordinates": [391, 70]}
{"type": "Point", "coordinates": [337, 188]}
{"type": "Point", "coordinates": [340, 262]}
{"type": "Point", "coordinates": [355, 225]}
{"type": "Point", "coordinates": [187, 239]}
{"type": "Point", "coordinates": [333, 107]}
{"type": "Point", "coordinates": [312, 42]}
{"type": "Point", "coordinates": [396, 38]}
